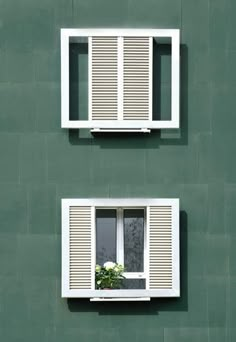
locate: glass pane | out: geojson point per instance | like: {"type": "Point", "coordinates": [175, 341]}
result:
{"type": "Point", "coordinates": [133, 240]}
{"type": "Point", "coordinates": [78, 55]}
{"type": "Point", "coordinates": [135, 284]}
{"type": "Point", "coordinates": [105, 235]}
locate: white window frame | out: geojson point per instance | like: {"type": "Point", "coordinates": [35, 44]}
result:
{"type": "Point", "coordinates": [68, 35]}
{"type": "Point", "coordinates": [120, 242]}
{"type": "Point", "coordinates": [129, 293]}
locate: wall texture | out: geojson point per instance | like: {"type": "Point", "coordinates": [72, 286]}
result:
{"type": "Point", "coordinates": [41, 163]}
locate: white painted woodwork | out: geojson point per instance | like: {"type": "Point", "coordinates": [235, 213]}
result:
{"type": "Point", "coordinates": [161, 271]}
{"type": "Point", "coordinates": [120, 81]}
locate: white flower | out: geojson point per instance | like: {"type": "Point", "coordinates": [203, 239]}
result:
{"type": "Point", "coordinates": [109, 265]}
{"type": "Point", "coordinates": [119, 268]}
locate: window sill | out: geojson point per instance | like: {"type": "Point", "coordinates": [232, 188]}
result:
{"type": "Point", "coordinates": [117, 130]}
{"type": "Point", "coordinates": [118, 294]}
{"type": "Point", "coordinates": [121, 299]}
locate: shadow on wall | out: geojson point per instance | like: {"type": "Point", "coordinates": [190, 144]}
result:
{"type": "Point", "coordinates": [156, 304]}
{"type": "Point", "coordinates": [78, 80]}
{"type": "Point", "coordinates": [124, 140]}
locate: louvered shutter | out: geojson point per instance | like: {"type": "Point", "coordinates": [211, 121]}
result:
{"type": "Point", "coordinates": [120, 78]}
{"type": "Point", "coordinates": [137, 78]}
{"type": "Point", "coordinates": [160, 247]}
{"type": "Point", "coordinates": [103, 79]}
{"type": "Point", "coordinates": [80, 248]}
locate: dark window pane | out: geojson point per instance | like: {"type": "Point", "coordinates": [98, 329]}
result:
{"type": "Point", "coordinates": [135, 284]}
{"type": "Point", "coordinates": [133, 240]}
{"type": "Point", "coordinates": [105, 235]}
{"type": "Point", "coordinates": [78, 55]}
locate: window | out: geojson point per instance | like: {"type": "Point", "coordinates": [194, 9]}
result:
{"type": "Point", "coordinates": [120, 79]}
{"type": "Point", "coordinates": [141, 234]}
{"type": "Point", "coordinates": [121, 238]}
{"type": "Point", "coordinates": [106, 235]}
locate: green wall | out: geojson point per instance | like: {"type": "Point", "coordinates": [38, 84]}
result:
{"type": "Point", "coordinates": [41, 163]}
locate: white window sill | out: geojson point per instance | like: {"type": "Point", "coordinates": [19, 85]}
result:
{"type": "Point", "coordinates": [118, 294]}
{"type": "Point", "coordinates": [121, 299]}
{"type": "Point", "coordinates": [117, 130]}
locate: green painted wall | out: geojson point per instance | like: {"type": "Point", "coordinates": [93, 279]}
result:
{"type": "Point", "coordinates": [41, 163]}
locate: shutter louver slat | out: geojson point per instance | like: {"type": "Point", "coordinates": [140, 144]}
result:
{"type": "Point", "coordinates": [104, 78]}
{"type": "Point", "coordinates": [80, 257]}
{"type": "Point", "coordinates": [136, 78]}
{"type": "Point", "coordinates": [160, 247]}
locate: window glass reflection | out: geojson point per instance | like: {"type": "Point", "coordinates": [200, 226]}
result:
{"type": "Point", "coordinates": [134, 240]}
{"type": "Point", "coordinates": [105, 235]}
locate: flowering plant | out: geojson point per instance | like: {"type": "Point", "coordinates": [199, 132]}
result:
{"type": "Point", "coordinates": [109, 275]}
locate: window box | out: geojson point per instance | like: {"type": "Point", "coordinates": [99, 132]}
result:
{"type": "Point", "coordinates": [142, 234]}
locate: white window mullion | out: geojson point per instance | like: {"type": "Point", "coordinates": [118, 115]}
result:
{"type": "Point", "coordinates": [135, 275]}
{"type": "Point", "coordinates": [120, 237]}
{"type": "Point", "coordinates": [120, 78]}
{"type": "Point", "coordinates": [146, 246]}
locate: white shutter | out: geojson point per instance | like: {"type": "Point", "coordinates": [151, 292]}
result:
{"type": "Point", "coordinates": [137, 78]}
{"type": "Point", "coordinates": [103, 78]}
{"type": "Point", "coordinates": [80, 248]}
{"type": "Point", "coordinates": [160, 247]}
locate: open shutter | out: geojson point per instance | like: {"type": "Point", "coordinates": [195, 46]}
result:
{"type": "Point", "coordinates": [137, 78]}
{"type": "Point", "coordinates": [103, 78]}
{"type": "Point", "coordinates": [81, 268]}
{"type": "Point", "coordinates": [160, 247]}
